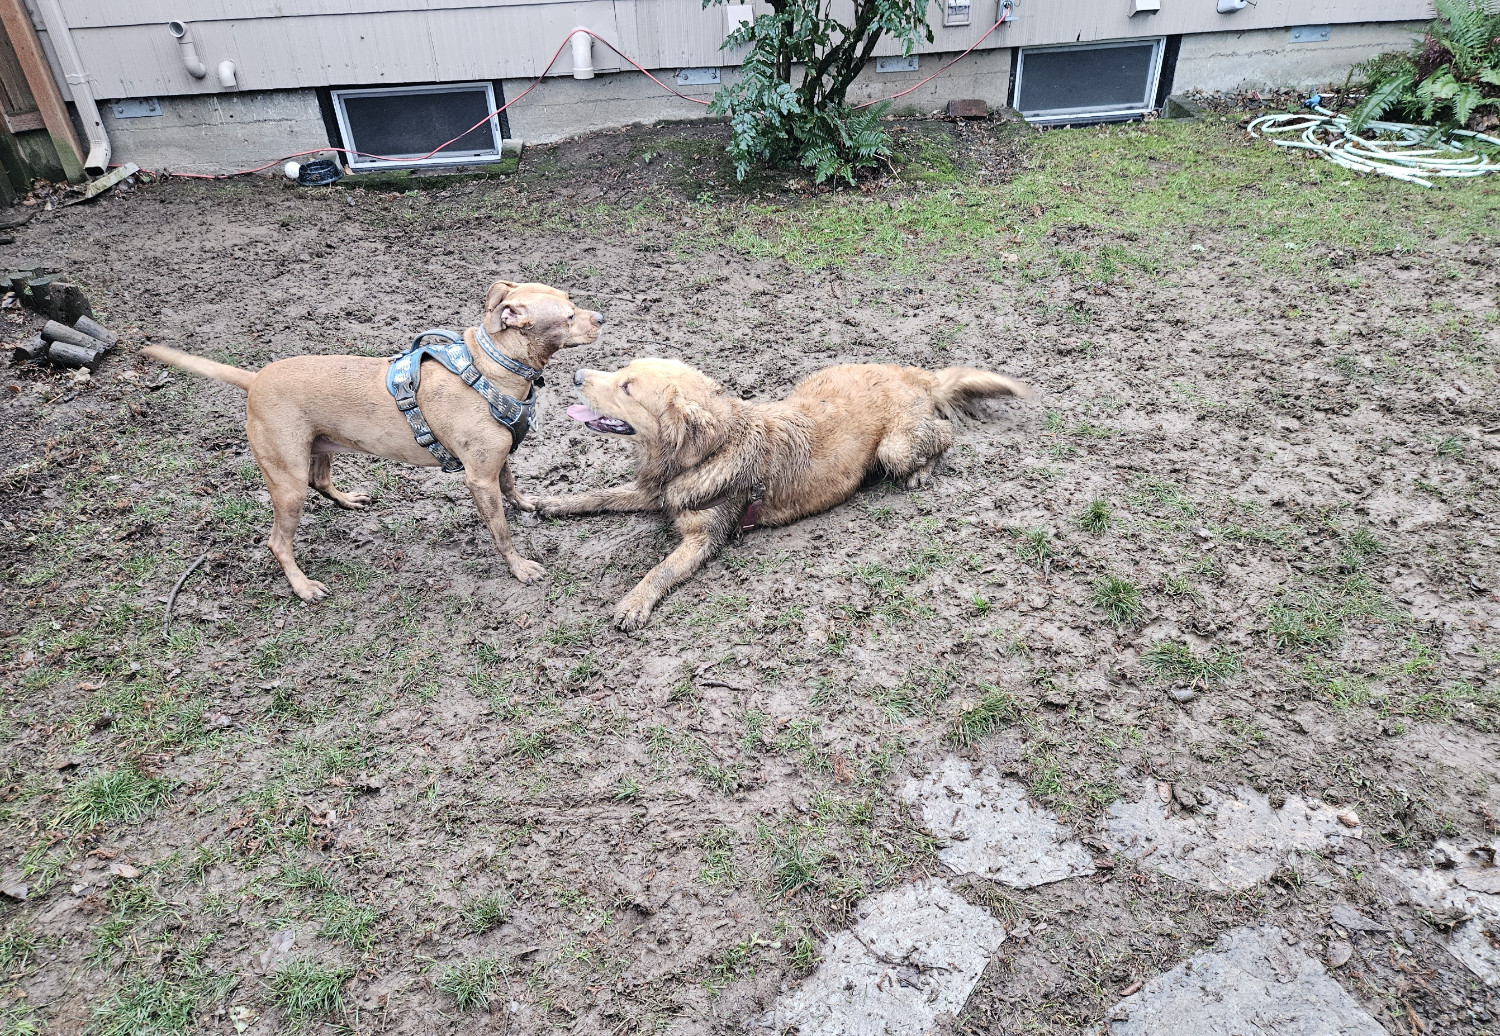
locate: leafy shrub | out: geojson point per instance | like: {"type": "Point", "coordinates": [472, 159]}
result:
{"type": "Point", "coordinates": [810, 122]}
{"type": "Point", "coordinates": [1452, 74]}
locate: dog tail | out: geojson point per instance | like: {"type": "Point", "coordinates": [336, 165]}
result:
{"type": "Point", "coordinates": [236, 376]}
{"type": "Point", "coordinates": [958, 389]}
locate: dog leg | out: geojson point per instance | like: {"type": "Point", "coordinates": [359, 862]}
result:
{"type": "Point", "coordinates": [520, 501]}
{"type": "Point", "coordinates": [619, 499]}
{"type": "Point", "coordinates": [320, 477]}
{"type": "Point", "coordinates": [910, 453]}
{"type": "Point", "coordinates": [484, 487]}
{"type": "Point", "coordinates": [288, 485]}
{"type": "Point", "coordinates": [703, 533]}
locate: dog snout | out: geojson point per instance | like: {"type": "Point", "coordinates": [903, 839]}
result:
{"type": "Point", "coordinates": [578, 377]}
{"type": "Point", "coordinates": [599, 319]}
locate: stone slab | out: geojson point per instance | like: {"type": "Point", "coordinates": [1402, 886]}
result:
{"type": "Point", "coordinates": [915, 953]}
{"type": "Point", "coordinates": [1253, 983]}
{"type": "Point", "coordinates": [1230, 842]}
{"type": "Point", "coordinates": [1457, 896]}
{"type": "Point", "coordinates": [991, 828]}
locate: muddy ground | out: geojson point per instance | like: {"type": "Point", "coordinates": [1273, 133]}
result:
{"type": "Point", "coordinates": [443, 802]}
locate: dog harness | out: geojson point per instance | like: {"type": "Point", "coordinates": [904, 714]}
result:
{"type": "Point", "coordinates": [405, 374]}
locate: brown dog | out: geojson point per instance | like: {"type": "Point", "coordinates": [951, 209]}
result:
{"type": "Point", "coordinates": [299, 411]}
{"type": "Point", "coordinates": [716, 464]}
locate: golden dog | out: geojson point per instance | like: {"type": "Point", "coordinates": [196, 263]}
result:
{"type": "Point", "coordinates": [716, 464]}
{"type": "Point", "coordinates": [299, 411]}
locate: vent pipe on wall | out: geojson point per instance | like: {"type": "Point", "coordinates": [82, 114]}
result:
{"type": "Point", "coordinates": [187, 49]}
{"type": "Point", "coordinates": [227, 77]}
{"type": "Point", "coordinates": [583, 54]}
{"type": "Point", "coordinates": [97, 162]}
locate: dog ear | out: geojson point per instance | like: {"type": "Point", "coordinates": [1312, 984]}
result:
{"type": "Point", "coordinates": [494, 300]}
{"type": "Point", "coordinates": [686, 423]}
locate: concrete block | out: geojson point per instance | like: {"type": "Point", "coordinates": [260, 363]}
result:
{"type": "Point", "coordinates": [915, 953]}
{"type": "Point", "coordinates": [220, 133]}
{"type": "Point", "coordinates": [992, 829]}
{"type": "Point", "coordinates": [1464, 897]}
{"type": "Point", "coordinates": [1266, 59]}
{"type": "Point", "coordinates": [1253, 981]}
{"type": "Point", "coordinates": [1227, 841]}
{"type": "Point", "coordinates": [968, 108]}
{"type": "Point", "coordinates": [565, 107]}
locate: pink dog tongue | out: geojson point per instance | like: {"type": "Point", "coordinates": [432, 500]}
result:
{"type": "Point", "coordinates": [579, 412]}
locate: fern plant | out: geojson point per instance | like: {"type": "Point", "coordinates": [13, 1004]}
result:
{"type": "Point", "coordinates": [790, 103]}
{"type": "Point", "coordinates": [1449, 76]}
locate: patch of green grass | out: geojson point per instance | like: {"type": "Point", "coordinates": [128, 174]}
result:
{"type": "Point", "coordinates": [1160, 495]}
{"type": "Point", "coordinates": [1096, 517]}
{"type": "Point", "coordinates": [531, 744]}
{"type": "Point", "coordinates": [1176, 660]}
{"type": "Point", "coordinates": [307, 989]}
{"type": "Point", "coordinates": [1120, 599]}
{"type": "Point", "coordinates": [1315, 615]}
{"type": "Point", "coordinates": [347, 922]}
{"type": "Point", "coordinates": [1359, 546]}
{"type": "Point", "coordinates": [146, 1006]}
{"type": "Point", "coordinates": [487, 912]}
{"type": "Point", "coordinates": [627, 789]}
{"type": "Point", "coordinates": [123, 795]}
{"type": "Point", "coordinates": [1035, 547]}
{"type": "Point", "coordinates": [718, 857]}
{"type": "Point", "coordinates": [471, 983]}
{"type": "Point", "coordinates": [795, 863]}
{"type": "Point", "coordinates": [975, 719]}
{"type": "Point", "coordinates": [805, 953]}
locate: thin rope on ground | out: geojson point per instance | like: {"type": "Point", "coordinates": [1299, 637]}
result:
{"type": "Point", "coordinates": [1415, 154]}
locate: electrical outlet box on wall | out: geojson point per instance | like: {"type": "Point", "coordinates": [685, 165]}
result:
{"type": "Point", "coordinates": [1144, 7]}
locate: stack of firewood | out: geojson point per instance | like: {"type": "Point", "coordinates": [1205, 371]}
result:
{"type": "Point", "coordinates": [82, 345]}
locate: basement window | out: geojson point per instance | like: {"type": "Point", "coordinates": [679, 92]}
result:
{"type": "Point", "coordinates": [1089, 82]}
{"type": "Point", "coordinates": [407, 122]}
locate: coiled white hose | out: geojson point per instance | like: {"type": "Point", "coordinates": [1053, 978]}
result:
{"type": "Point", "coordinates": [1401, 150]}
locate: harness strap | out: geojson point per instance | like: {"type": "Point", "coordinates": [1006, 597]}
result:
{"type": "Point", "coordinates": [750, 516]}
{"type": "Point", "coordinates": [405, 375]}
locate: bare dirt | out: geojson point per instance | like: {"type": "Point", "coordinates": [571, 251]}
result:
{"type": "Point", "coordinates": [1301, 474]}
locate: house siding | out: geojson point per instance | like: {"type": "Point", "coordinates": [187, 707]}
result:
{"type": "Point", "coordinates": [289, 44]}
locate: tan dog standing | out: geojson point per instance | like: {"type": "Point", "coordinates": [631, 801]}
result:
{"type": "Point", "coordinates": [302, 410]}
{"type": "Point", "coordinates": [716, 464]}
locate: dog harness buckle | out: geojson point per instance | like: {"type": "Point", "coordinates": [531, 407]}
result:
{"type": "Point", "coordinates": [405, 374]}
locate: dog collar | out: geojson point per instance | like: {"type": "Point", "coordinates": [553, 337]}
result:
{"type": "Point", "coordinates": [515, 366]}
{"type": "Point", "coordinates": [750, 516]}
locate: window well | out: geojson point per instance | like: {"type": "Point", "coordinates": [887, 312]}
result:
{"type": "Point", "coordinates": [1088, 82]}
{"type": "Point", "coordinates": [409, 121]}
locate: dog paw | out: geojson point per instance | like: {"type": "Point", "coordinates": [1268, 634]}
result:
{"type": "Point", "coordinates": [522, 502]}
{"type": "Point", "coordinates": [310, 590]}
{"type": "Point", "coordinates": [917, 480]}
{"type": "Point", "coordinates": [357, 500]}
{"type": "Point", "coordinates": [545, 506]}
{"type": "Point", "coordinates": [631, 615]}
{"type": "Point", "coordinates": [526, 570]}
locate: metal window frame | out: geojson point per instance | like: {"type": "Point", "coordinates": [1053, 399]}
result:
{"type": "Point", "coordinates": [1094, 113]}
{"type": "Point", "coordinates": [446, 157]}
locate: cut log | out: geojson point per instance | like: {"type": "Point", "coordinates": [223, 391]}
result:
{"type": "Point", "coordinates": [31, 349]}
{"type": "Point", "coordinates": [94, 329]}
{"type": "Point", "coordinates": [65, 354]}
{"type": "Point", "coordinates": [57, 299]}
{"type": "Point", "coordinates": [55, 332]}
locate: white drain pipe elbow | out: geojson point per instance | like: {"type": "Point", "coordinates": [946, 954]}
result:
{"type": "Point", "coordinates": [188, 49]}
{"type": "Point", "coordinates": [227, 78]}
{"type": "Point", "coordinates": [97, 162]}
{"type": "Point", "coordinates": [583, 54]}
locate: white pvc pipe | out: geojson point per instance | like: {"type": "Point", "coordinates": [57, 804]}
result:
{"type": "Point", "coordinates": [583, 54]}
{"type": "Point", "coordinates": [188, 49]}
{"type": "Point", "coordinates": [227, 77]}
{"type": "Point", "coordinates": [97, 162]}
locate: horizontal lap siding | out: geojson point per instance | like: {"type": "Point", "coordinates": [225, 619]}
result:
{"type": "Point", "coordinates": [129, 53]}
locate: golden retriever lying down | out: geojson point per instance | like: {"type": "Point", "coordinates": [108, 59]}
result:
{"type": "Point", "coordinates": [716, 464]}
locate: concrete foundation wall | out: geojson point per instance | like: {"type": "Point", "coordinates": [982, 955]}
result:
{"type": "Point", "coordinates": [567, 107]}
{"type": "Point", "coordinates": [225, 132]}
{"type": "Point", "coordinates": [219, 133]}
{"type": "Point", "coordinates": [1261, 59]}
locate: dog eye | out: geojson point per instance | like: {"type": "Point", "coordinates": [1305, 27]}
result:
{"type": "Point", "coordinates": [625, 387]}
